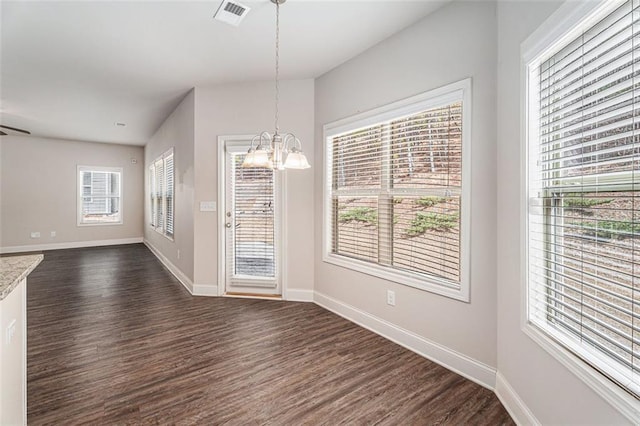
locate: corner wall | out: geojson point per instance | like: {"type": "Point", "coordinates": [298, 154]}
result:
{"type": "Point", "coordinates": [247, 109]}
{"type": "Point", "coordinates": [176, 132]}
{"type": "Point", "coordinates": [552, 393]}
{"type": "Point", "coordinates": [38, 192]}
{"type": "Point", "coordinates": [455, 42]}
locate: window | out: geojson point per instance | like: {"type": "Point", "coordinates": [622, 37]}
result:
{"type": "Point", "coordinates": [583, 260]}
{"type": "Point", "coordinates": [161, 190]}
{"type": "Point", "coordinates": [99, 195]}
{"type": "Point", "coordinates": [396, 191]}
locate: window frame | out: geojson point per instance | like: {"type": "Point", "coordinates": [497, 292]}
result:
{"type": "Point", "coordinates": [561, 27]}
{"type": "Point", "coordinates": [161, 203]}
{"type": "Point", "coordinates": [80, 197]}
{"type": "Point", "coordinates": [456, 92]}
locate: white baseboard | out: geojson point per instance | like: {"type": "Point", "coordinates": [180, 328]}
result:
{"type": "Point", "coordinates": [184, 280]}
{"type": "Point", "coordinates": [205, 290]}
{"type": "Point", "coordinates": [515, 406]}
{"type": "Point", "coordinates": [299, 295]}
{"type": "Point", "coordinates": [468, 367]}
{"type": "Point", "coordinates": [69, 245]}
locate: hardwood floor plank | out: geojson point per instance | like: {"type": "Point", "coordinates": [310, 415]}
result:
{"type": "Point", "coordinates": [113, 338]}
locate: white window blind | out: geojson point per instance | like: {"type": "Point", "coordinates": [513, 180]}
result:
{"type": "Point", "coordinates": [159, 180]}
{"type": "Point", "coordinates": [161, 190]}
{"type": "Point", "coordinates": [153, 196]}
{"type": "Point", "coordinates": [584, 205]}
{"type": "Point", "coordinates": [99, 195]}
{"type": "Point", "coordinates": [168, 166]}
{"type": "Point", "coordinates": [395, 190]}
{"type": "Point", "coordinates": [253, 205]}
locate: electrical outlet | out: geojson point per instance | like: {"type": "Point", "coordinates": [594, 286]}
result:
{"type": "Point", "coordinates": [53, 234]}
{"type": "Point", "coordinates": [35, 235]}
{"type": "Point", "coordinates": [11, 330]}
{"type": "Point", "coordinates": [391, 298]}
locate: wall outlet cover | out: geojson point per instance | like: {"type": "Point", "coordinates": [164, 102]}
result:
{"type": "Point", "coordinates": [391, 298]}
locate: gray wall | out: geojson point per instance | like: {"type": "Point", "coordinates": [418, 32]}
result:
{"type": "Point", "coordinates": [38, 190]}
{"type": "Point", "coordinates": [455, 42]}
{"type": "Point", "coordinates": [176, 132]}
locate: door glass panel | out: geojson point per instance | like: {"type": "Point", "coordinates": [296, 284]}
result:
{"type": "Point", "coordinates": [254, 236]}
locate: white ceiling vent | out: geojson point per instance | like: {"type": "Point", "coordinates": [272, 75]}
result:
{"type": "Point", "coordinates": [231, 12]}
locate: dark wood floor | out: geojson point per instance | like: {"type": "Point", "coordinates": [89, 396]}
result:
{"type": "Point", "coordinates": [113, 338]}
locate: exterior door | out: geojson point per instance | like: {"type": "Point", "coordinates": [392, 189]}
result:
{"type": "Point", "coordinates": [252, 226]}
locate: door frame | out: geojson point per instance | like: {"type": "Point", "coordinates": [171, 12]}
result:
{"type": "Point", "coordinates": [222, 209]}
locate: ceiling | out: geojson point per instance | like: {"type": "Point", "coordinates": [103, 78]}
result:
{"type": "Point", "coordinates": [71, 70]}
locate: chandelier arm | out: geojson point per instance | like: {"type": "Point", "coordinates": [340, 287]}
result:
{"type": "Point", "coordinates": [285, 140]}
{"type": "Point", "coordinates": [253, 140]}
{"type": "Point", "coordinates": [265, 135]}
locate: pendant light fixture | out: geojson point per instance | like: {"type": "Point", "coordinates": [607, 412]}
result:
{"type": "Point", "coordinates": [276, 151]}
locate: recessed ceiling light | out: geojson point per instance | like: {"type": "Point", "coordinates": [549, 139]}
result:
{"type": "Point", "coordinates": [118, 124]}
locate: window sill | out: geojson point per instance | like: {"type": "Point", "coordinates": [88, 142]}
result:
{"type": "Point", "coordinates": [100, 224]}
{"type": "Point", "coordinates": [621, 400]}
{"type": "Point", "coordinates": [426, 283]}
{"type": "Point", "coordinates": [161, 232]}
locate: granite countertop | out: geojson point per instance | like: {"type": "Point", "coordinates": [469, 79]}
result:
{"type": "Point", "coordinates": [13, 269]}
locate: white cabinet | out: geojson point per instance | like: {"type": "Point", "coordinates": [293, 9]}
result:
{"type": "Point", "coordinates": [13, 356]}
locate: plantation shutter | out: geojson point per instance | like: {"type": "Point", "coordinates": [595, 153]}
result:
{"type": "Point", "coordinates": [253, 199]}
{"type": "Point", "coordinates": [395, 193]}
{"type": "Point", "coordinates": [153, 195]}
{"type": "Point", "coordinates": [159, 181]}
{"type": "Point", "coordinates": [584, 213]}
{"type": "Point", "coordinates": [169, 201]}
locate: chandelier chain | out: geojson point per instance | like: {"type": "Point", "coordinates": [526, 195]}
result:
{"type": "Point", "coordinates": [277, 64]}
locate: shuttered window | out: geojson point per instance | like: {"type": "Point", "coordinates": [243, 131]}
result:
{"type": "Point", "coordinates": [161, 190]}
{"type": "Point", "coordinates": [99, 195]}
{"type": "Point", "coordinates": [169, 203]}
{"type": "Point", "coordinates": [153, 199]}
{"type": "Point", "coordinates": [395, 192]}
{"type": "Point", "coordinates": [584, 204]}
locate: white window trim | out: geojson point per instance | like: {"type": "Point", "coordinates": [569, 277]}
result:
{"type": "Point", "coordinates": [79, 186]}
{"type": "Point", "coordinates": [460, 90]}
{"type": "Point", "coordinates": [557, 29]}
{"type": "Point", "coordinates": [162, 229]}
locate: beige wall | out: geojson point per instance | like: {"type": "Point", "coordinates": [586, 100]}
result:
{"type": "Point", "coordinates": [38, 190]}
{"type": "Point", "coordinates": [456, 42]}
{"type": "Point", "coordinates": [176, 132]}
{"type": "Point", "coordinates": [241, 109]}
{"type": "Point", "coordinates": [552, 393]}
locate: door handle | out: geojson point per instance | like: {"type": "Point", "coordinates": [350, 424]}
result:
{"type": "Point", "coordinates": [227, 225]}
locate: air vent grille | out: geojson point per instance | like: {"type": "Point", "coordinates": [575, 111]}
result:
{"type": "Point", "coordinates": [236, 9]}
{"type": "Point", "coordinates": [231, 12]}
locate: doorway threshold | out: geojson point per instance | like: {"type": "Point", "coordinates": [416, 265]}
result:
{"type": "Point", "coordinates": [253, 296]}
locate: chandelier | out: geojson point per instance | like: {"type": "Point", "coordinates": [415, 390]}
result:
{"type": "Point", "coordinates": [277, 152]}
